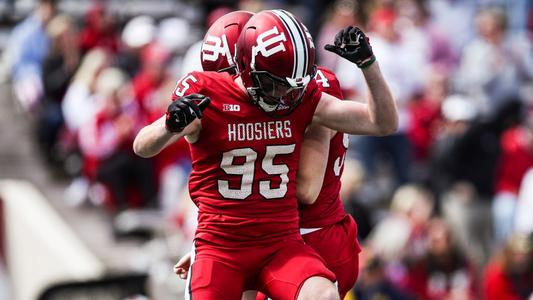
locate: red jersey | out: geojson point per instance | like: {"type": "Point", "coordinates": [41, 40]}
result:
{"type": "Point", "coordinates": [328, 208]}
{"type": "Point", "coordinates": [244, 163]}
{"type": "Point", "coordinates": [515, 160]}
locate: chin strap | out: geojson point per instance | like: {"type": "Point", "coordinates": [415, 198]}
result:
{"type": "Point", "coordinates": [258, 100]}
{"type": "Point", "coordinates": [267, 107]}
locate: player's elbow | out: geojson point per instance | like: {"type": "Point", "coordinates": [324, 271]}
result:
{"type": "Point", "coordinates": [387, 129]}
{"type": "Point", "coordinates": [140, 149]}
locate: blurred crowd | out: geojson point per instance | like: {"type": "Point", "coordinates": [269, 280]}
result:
{"type": "Point", "coordinates": [444, 206]}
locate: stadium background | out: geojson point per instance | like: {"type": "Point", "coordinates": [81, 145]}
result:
{"type": "Point", "coordinates": [444, 207]}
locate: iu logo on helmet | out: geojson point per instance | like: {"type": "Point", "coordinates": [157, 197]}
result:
{"type": "Point", "coordinates": [272, 37]}
{"type": "Point", "coordinates": [215, 46]}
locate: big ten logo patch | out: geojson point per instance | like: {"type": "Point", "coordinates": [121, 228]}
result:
{"type": "Point", "coordinates": [231, 107]}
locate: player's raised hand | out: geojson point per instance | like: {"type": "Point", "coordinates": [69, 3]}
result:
{"type": "Point", "coordinates": [181, 268]}
{"type": "Point", "coordinates": [352, 44]}
{"type": "Point", "coordinates": [184, 110]}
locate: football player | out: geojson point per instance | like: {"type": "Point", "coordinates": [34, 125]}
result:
{"type": "Point", "coordinates": [324, 224]}
{"type": "Point", "coordinates": [245, 146]}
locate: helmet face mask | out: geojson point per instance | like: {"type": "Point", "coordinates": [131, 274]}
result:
{"type": "Point", "coordinates": [276, 95]}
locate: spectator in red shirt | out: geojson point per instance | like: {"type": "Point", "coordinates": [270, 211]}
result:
{"type": "Point", "coordinates": [516, 158]}
{"type": "Point", "coordinates": [509, 275]}
{"type": "Point", "coordinates": [425, 114]}
{"type": "Point", "coordinates": [99, 30]}
{"type": "Point", "coordinates": [444, 272]}
{"type": "Point", "coordinates": [152, 86]}
{"type": "Point", "coordinates": [150, 80]}
{"type": "Point", "coordinates": [107, 137]}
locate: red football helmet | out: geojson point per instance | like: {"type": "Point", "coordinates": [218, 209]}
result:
{"type": "Point", "coordinates": [219, 46]}
{"type": "Point", "coordinates": [276, 60]}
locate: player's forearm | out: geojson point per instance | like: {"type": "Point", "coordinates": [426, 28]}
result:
{"type": "Point", "coordinates": [152, 139]}
{"type": "Point", "coordinates": [381, 105]}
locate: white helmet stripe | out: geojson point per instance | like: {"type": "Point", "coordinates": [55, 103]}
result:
{"type": "Point", "coordinates": [291, 35]}
{"type": "Point", "coordinates": [303, 36]}
{"type": "Point", "coordinates": [298, 40]}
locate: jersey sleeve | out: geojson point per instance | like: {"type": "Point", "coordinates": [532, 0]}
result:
{"type": "Point", "coordinates": [328, 82]}
{"type": "Point", "coordinates": [191, 83]}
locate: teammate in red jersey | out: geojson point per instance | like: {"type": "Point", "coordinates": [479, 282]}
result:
{"type": "Point", "coordinates": [324, 225]}
{"type": "Point", "coordinates": [245, 160]}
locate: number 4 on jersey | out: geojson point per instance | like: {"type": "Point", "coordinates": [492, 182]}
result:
{"type": "Point", "coordinates": [321, 79]}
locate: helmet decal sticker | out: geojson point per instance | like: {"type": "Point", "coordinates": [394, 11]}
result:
{"type": "Point", "coordinates": [263, 44]}
{"type": "Point", "coordinates": [215, 46]}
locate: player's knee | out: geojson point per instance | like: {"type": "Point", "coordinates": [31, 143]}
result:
{"type": "Point", "coordinates": [329, 293]}
{"type": "Point", "coordinates": [318, 288]}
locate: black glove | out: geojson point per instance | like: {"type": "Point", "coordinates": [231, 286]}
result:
{"type": "Point", "coordinates": [184, 110]}
{"type": "Point", "coordinates": [352, 44]}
